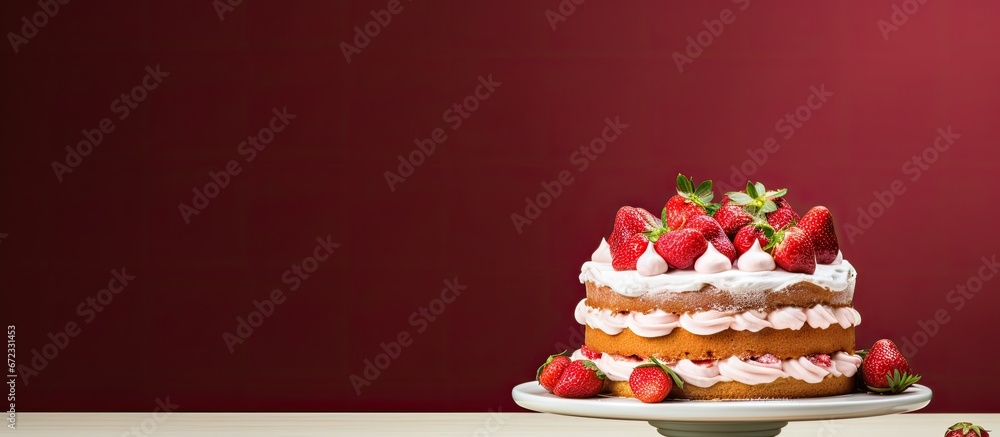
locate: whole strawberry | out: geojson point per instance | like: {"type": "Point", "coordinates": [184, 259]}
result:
{"type": "Point", "coordinates": [550, 371]}
{"type": "Point", "coordinates": [732, 217]}
{"type": "Point", "coordinates": [629, 221]}
{"type": "Point", "coordinates": [818, 225]}
{"type": "Point", "coordinates": [783, 216]}
{"type": "Point", "coordinates": [712, 231]}
{"type": "Point", "coordinates": [746, 236]}
{"type": "Point", "coordinates": [689, 202]}
{"type": "Point", "coordinates": [885, 370]}
{"type": "Point", "coordinates": [580, 379]}
{"type": "Point", "coordinates": [794, 251]}
{"type": "Point", "coordinates": [651, 383]}
{"type": "Point", "coordinates": [966, 429]}
{"type": "Point", "coordinates": [627, 252]}
{"type": "Point", "coordinates": [681, 248]}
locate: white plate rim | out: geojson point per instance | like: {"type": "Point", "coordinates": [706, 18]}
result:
{"type": "Point", "coordinates": [532, 396]}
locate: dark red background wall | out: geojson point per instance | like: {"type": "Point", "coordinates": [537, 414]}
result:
{"type": "Point", "coordinates": [324, 175]}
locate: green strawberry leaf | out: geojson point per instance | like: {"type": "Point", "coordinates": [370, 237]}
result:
{"type": "Point", "coordinates": [711, 208]}
{"type": "Point", "coordinates": [685, 186]}
{"type": "Point", "coordinates": [739, 198]}
{"type": "Point", "coordinates": [898, 382]}
{"type": "Point", "coordinates": [703, 189]}
{"type": "Point", "coordinates": [759, 188]}
{"type": "Point", "coordinates": [776, 194]}
{"type": "Point", "coordinates": [663, 216]}
{"type": "Point", "coordinates": [589, 365]}
{"type": "Point", "coordinates": [677, 379]}
{"type": "Point", "coordinates": [654, 234]}
{"type": "Point", "coordinates": [968, 428]}
{"type": "Point", "coordinates": [775, 238]}
{"type": "Point", "coordinates": [752, 190]}
{"type": "Point", "coordinates": [769, 206]}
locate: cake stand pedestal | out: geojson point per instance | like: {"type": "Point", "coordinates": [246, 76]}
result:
{"type": "Point", "coordinates": [762, 418]}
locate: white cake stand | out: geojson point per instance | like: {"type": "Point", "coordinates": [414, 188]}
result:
{"type": "Point", "coordinates": [763, 418]}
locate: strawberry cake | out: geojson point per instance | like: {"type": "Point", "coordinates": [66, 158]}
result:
{"type": "Point", "coordinates": [742, 299]}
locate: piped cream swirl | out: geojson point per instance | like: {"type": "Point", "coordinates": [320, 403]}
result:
{"type": "Point", "coordinates": [603, 253]}
{"type": "Point", "coordinates": [755, 259]}
{"type": "Point", "coordinates": [616, 369]}
{"type": "Point", "coordinates": [712, 261]}
{"type": "Point", "coordinates": [651, 263]}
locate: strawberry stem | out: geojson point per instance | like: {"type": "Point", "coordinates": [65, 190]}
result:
{"type": "Point", "coordinates": [677, 379]}
{"type": "Point", "coordinates": [968, 428]}
{"type": "Point", "coordinates": [757, 201]}
{"type": "Point", "coordinates": [701, 196]}
{"type": "Point", "coordinates": [538, 374]}
{"type": "Point", "coordinates": [898, 382]}
{"type": "Point", "coordinates": [589, 365]}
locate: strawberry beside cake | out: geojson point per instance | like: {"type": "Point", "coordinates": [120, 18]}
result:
{"type": "Point", "coordinates": [742, 299]}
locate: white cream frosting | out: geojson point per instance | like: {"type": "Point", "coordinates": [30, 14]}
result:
{"type": "Point", "coordinates": [650, 263]}
{"type": "Point", "coordinates": [712, 261]}
{"type": "Point", "coordinates": [734, 369]}
{"type": "Point", "coordinates": [835, 277]}
{"type": "Point", "coordinates": [839, 259]}
{"type": "Point", "coordinates": [603, 253]}
{"type": "Point", "coordinates": [659, 323]}
{"type": "Point", "coordinates": [755, 259]}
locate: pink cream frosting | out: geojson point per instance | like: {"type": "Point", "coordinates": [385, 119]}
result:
{"type": "Point", "coordinates": [748, 371]}
{"type": "Point", "coordinates": [659, 323]}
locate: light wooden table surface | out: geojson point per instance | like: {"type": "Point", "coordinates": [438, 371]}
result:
{"type": "Point", "coordinates": [434, 424]}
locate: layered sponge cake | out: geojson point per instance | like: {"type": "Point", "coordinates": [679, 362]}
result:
{"type": "Point", "coordinates": [742, 300]}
